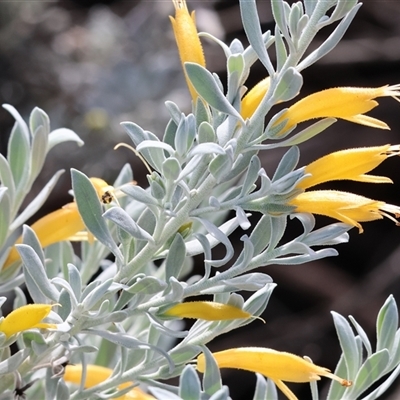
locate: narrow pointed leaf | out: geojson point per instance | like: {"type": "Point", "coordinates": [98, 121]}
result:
{"type": "Point", "coordinates": [251, 25]}
{"type": "Point", "coordinates": [189, 387]}
{"type": "Point", "coordinates": [34, 267]}
{"type": "Point", "coordinates": [330, 43]}
{"type": "Point", "coordinates": [37, 202]}
{"type": "Point", "coordinates": [348, 344]}
{"type": "Point", "coordinates": [5, 214]}
{"type": "Point", "coordinates": [125, 222]}
{"type": "Point", "coordinates": [18, 155]}
{"type": "Point", "coordinates": [175, 258]}
{"type": "Point", "coordinates": [63, 135]}
{"type": "Point", "coordinates": [12, 363]}
{"type": "Point", "coordinates": [91, 211]}
{"type": "Point", "coordinates": [207, 88]}
{"type": "Point", "coordinates": [6, 177]}
{"type": "Point", "coordinates": [212, 378]}
{"type": "Point", "coordinates": [387, 324]}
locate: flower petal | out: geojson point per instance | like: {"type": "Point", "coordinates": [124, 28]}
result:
{"type": "Point", "coordinates": [285, 390]}
{"type": "Point", "coordinates": [26, 317]}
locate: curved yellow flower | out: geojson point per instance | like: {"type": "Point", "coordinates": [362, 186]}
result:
{"type": "Point", "coordinates": [101, 186]}
{"type": "Point", "coordinates": [350, 164]}
{"type": "Point", "coordinates": [59, 225]}
{"type": "Point", "coordinates": [278, 366]}
{"type": "Point", "coordinates": [253, 97]}
{"type": "Point", "coordinates": [346, 207]}
{"type": "Point", "coordinates": [52, 228]}
{"type": "Point", "coordinates": [349, 103]}
{"type": "Point", "coordinates": [187, 39]}
{"type": "Point", "coordinates": [95, 374]}
{"type": "Point", "coordinates": [26, 317]}
{"type": "Point", "coordinates": [207, 310]}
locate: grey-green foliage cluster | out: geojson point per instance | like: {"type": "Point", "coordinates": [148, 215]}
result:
{"type": "Point", "coordinates": [205, 166]}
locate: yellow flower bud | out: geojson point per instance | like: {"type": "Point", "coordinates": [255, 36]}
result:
{"type": "Point", "coordinates": [187, 39]}
{"type": "Point", "coordinates": [207, 310]}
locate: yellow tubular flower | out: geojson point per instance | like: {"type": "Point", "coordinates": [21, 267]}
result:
{"type": "Point", "coordinates": [26, 317]}
{"type": "Point", "coordinates": [349, 103]}
{"type": "Point", "coordinates": [55, 227]}
{"type": "Point", "coordinates": [346, 207]}
{"type": "Point", "coordinates": [351, 164]}
{"type": "Point", "coordinates": [207, 310]}
{"type": "Point", "coordinates": [275, 365]}
{"type": "Point", "coordinates": [253, 98]}
{"type": "Point", "coordinates": [187, 39]}
{"type": "Point", "coordinates": [101, 186]}
{"type": "Point", "coordinates": [63, 224]}
{"type": "Point", "coordinates": [95, 374]}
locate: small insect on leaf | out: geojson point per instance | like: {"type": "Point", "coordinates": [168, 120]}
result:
{"type": "Point", "coordinates": [107, 197]}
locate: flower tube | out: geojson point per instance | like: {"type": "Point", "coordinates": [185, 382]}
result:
{"type": "Point", "coordinates": [350, 164]}
{"type": "Point", "coordinates": [253, 98]}
{"type": "Point", "coordinates": [59, 225]}
{"type": "Point", "coordinates": [349, 103]}
{"type": "Point", "coordinates": [96, 374]}
{"type": "Point", "coordinates": [276, 365]}
{"type": "Point", "coordinates": [55, 227]}
{"type": "Point", "coordinates": [187, 39]}
{"type": "Point", "coordinates": [349, 208]}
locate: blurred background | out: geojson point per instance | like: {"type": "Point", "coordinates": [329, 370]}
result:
{"type": "Point", "coordinates": [92, 64]}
